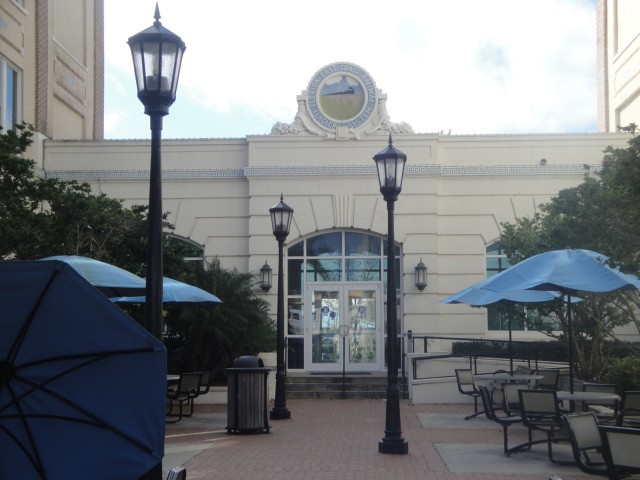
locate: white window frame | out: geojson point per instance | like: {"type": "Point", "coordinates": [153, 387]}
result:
{"type": "Point", "coordinates": [8, 120]}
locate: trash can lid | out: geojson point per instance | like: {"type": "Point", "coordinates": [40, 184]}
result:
{"type": "Point", "coordinates": [248, 361]}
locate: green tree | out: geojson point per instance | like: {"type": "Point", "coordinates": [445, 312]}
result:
{"type": "Point", "coordinates": [42, 216]}
{"type": "Point", "coordinates": [598, 215]}
{"type": "Point", "coordinates": [620, 181]}
{"type": "Point", "coordinates": [211, 338]}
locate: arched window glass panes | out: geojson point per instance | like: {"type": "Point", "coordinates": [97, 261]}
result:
{"type": "Point", "coordinates": [363, 269]}
{"type": "Point", "coordinates": [361, 244]}
{"type": "Point", "coordinates": [295, 276]}
{"type": "Point", "coordinates": [324, 245]}
{"type": "Point", "coordinates": [320, 270]}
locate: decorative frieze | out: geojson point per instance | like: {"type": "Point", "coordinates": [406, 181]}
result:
{"type": "Point", "coordinates": [328, 170]}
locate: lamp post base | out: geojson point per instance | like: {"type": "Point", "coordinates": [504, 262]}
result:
{"type": "Point", "coordinates": [393, 448]}
{"type": "Point", "coordinates": [280, 414]}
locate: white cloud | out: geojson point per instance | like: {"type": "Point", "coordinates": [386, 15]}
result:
{"type": "Point", "coordinates": [493, 66]}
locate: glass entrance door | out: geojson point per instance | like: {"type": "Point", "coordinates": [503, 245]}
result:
{"type": "Point", "coordinates": [345, 329]}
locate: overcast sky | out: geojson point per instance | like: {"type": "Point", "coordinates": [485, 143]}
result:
{"type": "Point", "coordinates": [469, 66]}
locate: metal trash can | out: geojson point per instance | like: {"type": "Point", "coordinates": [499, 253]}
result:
{"type": "Point", "coordinates": [247, 401]}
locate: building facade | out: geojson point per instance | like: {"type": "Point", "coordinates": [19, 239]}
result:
{"type": "Point", "coordinates": [456, 193]}
{"type": "Point", "coordinates": [51, 68]}
{"type": "Point", "coordinates": [618, 35]}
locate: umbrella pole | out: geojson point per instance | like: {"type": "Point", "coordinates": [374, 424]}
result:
{"type": "Point", "coordinates": [510, 313]}
{"type": "Point", "coordinates": [570, 339]}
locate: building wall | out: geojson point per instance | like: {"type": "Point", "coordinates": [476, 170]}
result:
{"type": "Point", "coordinates": [57, 48]}
{"type": "Point", "coordinates": [619, 63]}
{"type": "Point", "coordinates": [457, 191]}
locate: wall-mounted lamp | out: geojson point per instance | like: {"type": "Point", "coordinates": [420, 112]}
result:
{"type": "Point", "coordinates": [421, 276]}
{"type": "Point", "coordinates": [265, 277]}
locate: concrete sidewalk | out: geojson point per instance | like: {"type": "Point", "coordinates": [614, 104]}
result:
{"type": "Point", "coordinates": [338, 439]}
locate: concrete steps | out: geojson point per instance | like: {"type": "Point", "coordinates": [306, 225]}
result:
{"type": "Point", "coordinates": [331, 386]}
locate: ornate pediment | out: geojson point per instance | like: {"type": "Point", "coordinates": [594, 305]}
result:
{"type": "Point", "coordinates": [341, 101]}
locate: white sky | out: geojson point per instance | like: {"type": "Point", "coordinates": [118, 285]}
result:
{"type": "Point", "coordinates": [469, 66]}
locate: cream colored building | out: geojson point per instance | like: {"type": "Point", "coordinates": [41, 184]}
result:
{"type": "Point", "coordinates": [456, 192]}
{"type": "Point", "coordinates": [618, 63]}
{"type": "Point", "coordinates": [51, 68]}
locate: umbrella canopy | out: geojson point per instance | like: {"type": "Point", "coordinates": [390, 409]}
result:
{"type": "Point", "coordinates": [563, 271]}
{"type": "Point", "coordinates": [82, 385]}
{"type": "Point", "coordinates": [566, 271]}
{"type": "Point", "coordinates": [111, 280]}
{"type": "Point", "coordinates": [482, 297]}
{"type": "Point", "coordinates": [479, 296]}
{"type": "Point", "coordinates": [176, 292]}
{"type": "Point", "coordinates": [123, 286]}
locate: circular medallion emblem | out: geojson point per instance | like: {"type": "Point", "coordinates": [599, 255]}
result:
{"type": "Point", "coordinates": [341, 94]}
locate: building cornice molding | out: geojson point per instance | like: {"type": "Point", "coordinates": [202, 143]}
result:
{"type": "Point", "coordinates": [430, 170]}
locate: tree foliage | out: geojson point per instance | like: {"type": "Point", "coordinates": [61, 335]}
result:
{"type": "Point", "coordinates": [601, 214]}
{"type": "Point", "coordinates": [211, 338]}
{"type": "Point", "coordinates": [42, 216]}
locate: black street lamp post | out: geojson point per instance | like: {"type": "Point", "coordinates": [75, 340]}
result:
{"type": "Point", "coordinates": [281, 215]}
{"type": "Point", "coordinates": [390, 164]}
{"type": "Point", "coordinates": [157, 55]}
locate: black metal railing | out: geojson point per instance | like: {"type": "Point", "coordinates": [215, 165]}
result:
{"type": "Point", "coordinates": [527, 352]}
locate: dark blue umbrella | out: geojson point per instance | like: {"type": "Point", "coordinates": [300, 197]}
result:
{"type": "Point", "coordinates": [475, 295]}
{"type": "Point", "coordinates": [82, 385]}
{"type": "Point", "coordinates": [566, 271]}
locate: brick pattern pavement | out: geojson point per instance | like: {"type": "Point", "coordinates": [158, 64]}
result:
{"type": "Point", "coordinates": [338, 439]}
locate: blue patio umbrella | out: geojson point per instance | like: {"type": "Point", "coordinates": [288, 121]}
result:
{"type": "Point", "coordinates": [123, 286]}
{"type": "Point", "coordinates": [482, 297]}
{"type": "Point", "coordinates": [176, 292]}
{"type": "Point", "coordinates": [82, 385]}
{"type": "Point", "coordinates": [111, 280]}
{"type": "Point", "coordinates": [566, 271]}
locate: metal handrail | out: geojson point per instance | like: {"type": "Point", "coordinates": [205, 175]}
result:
{"type": "Point", "coordinates": [529, 352]}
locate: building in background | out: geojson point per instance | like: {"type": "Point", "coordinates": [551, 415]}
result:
{"type": "Point", "coordinates": [456, 193]}
{"type": "Point", "coordinates": [457, 189]}
{"type": "Point", "coordinates": [51, 68]}
{"type": "Point", "coordinates": [618, 34]}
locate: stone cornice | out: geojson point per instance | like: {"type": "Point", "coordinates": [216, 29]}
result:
{"type": "Point", "coordinates": [432, 170]}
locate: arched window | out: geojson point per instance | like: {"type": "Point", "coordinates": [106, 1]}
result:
{"type": "Point", "coordinates": [190, 251]}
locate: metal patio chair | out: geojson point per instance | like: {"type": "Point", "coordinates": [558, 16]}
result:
{"type": "Point", "coordinates": [629, 414]}
{"type": "Point", "coordinates": [586, 442]}
{"type": "Point", "coordinates": [606, 411]}
{"type": "Point", "coordinates": [621, 447]}
{"type": "Point", "coordinates": [505, 421]}
{"type": "Point", "coordinates": [549, 380]}
{"type": "Point", "coordinates": [182, 395]}
{"type": "Point", "coordinates": [511, 399]}
{"type": "Point", "coordinates": [467, 386]}
{"type": "Point", "coordinates": [541, 411]}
